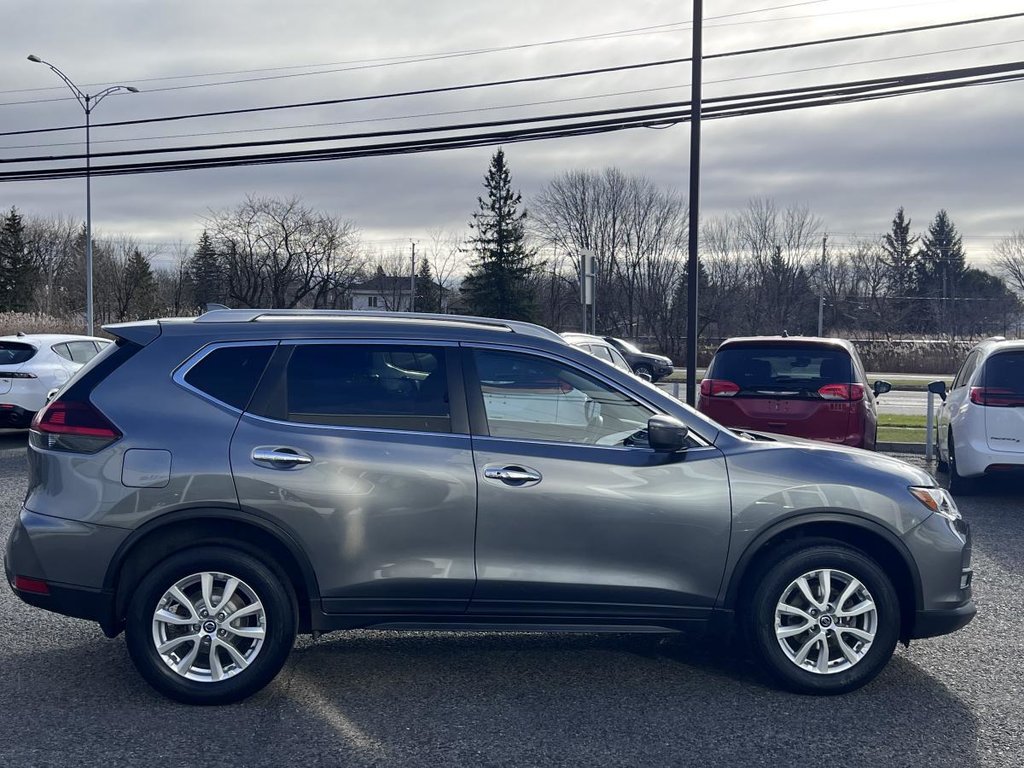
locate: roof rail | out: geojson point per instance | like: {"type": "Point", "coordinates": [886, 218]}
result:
{"type": "Point", "coordinates": [254, 315]}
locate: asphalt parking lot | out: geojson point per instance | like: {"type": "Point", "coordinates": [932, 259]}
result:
{"type": "Point", "coordinates": [69, 696]}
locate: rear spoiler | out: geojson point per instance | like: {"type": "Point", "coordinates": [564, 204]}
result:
{"type": "Point", "coordinates": [141, 333]}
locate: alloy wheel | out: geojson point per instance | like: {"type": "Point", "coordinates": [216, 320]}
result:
{"type": "Point", "coordinates": [825, 621]}
{"type": "Point", "coordinates": [209, 626]}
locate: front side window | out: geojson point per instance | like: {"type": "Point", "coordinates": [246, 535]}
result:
{"type": "Point", "coordinates": [534, 398]}
{"type": "Point", "coordinates": [965, 372]}
{"type": "Point", "coordinates": [376, 386]}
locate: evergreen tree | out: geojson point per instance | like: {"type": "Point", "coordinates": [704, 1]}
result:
{"type": "Point", "coordinates": [941, 258]}
{"type": "Point", "coordinates": [16, 269]}
{"type": "Point", "coordinates": [900, 259]}
{"type": "Point", "coordinates": [428, 295]}
{"type": "Point", "coordinates": [139, 274]}
{"type": "Point", "coordinates": [206, 273]}
{"type": "Point", "coordinates": [499, 282]}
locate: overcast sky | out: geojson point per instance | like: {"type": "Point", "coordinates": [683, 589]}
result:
{"type": "Point", "coordinates": [853, 164]}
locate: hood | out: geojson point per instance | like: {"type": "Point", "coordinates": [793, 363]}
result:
{"type": "Point", "coordinates": [817, 452]}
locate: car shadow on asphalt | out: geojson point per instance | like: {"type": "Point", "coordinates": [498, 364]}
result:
{"type": "Point", "coordinates": [13, 438]}
{"type": "Point", "coordinates": [382, 698]}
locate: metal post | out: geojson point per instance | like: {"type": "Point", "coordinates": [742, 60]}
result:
{"type": "Point", "coordinates": [821, 314]}
{"type": "Point", "coordinates": [412, 280]}
{"type": "Point", "coordinates": [87, 103]}
{"type": "Point", "coordinates": [89, 314]}
{"type": "Point", "coordinates": [929, 426]}
{"type": "Point", "coordinates": [694, 215]}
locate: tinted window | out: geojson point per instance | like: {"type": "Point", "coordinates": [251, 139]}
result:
{"type": "Point", "coordinates": [81, 351]}
{"type": "Point", "coordinates": [15, 353]}
{"type": "Point", "coordinates": [1005, 371]}
{"type": "Point", "coordinates": [785, 367]}
{"type": "Point", "coordinates": [597, 350]}
{"type": "Point", "coordinates": [230, 374]}
{"type": "Point", "coordinates": [534, 398]}
{"type": "Point", "coordinates": [366, 385]}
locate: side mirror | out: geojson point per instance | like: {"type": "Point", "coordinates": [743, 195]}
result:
{"type": "Point", "coordinates": [665, 433]}
{"type": "Point", "coordinates": [643, 375]}
{"type": "Point", "coordinates": [938, 388]}
{"type": "Point", "coordinates": [881, 387]}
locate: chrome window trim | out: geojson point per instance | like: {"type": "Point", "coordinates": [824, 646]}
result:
{"type": "Point", "coordinates": [179, 373]}
{"type": "Point", "coordinates": [336, 427]}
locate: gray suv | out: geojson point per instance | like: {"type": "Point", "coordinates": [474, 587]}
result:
{"type": "Point", "coordinates": [213, 486]}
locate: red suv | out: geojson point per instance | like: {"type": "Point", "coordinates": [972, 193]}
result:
{"type": "Point", "coordinates": [800, 386]}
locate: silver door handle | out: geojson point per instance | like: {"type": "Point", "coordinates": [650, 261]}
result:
{"type": "Point", "coordinates": [280, 458]}
{"type": "Point", "coordinates": [513, 475]}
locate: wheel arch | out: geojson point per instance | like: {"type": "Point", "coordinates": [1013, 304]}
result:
{"type": "Point", "coordinates": [175, 531]}
{"type": "Point", "coordinates": [864, 535]}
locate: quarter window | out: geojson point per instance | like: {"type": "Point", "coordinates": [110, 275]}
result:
{"type": "Point", "coordinates": [81, 351]}
{"type": "Point", "coordinates": [365, 385]}
{"type": "Point", "coordinates": [533, 398]}
{"type": "Point", "coordinates": [230, 374]}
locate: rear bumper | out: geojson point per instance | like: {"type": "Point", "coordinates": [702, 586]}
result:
{"type": "Point", "coordinates": [934, 623]}
{"type": "Point", "coordinates": [71, 558]}
{"type": "Point", "coordinates": [14, 416]}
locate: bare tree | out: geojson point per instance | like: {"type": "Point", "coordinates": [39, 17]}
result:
{"type": "Point", "coordinates": [52, 245]}
{"type": "Point", "coordinates": [280, 253]}
{"type": "Point", "coordinates": [1009, 260]}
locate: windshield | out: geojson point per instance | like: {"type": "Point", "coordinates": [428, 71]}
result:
{"type": "Point", "coordinates": [15, 352]}
{"type": "Point", "coordinates": [629, 347]}
{"type": "Point", "coordinates": [788, 367]}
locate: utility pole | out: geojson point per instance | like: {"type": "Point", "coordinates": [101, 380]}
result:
{"type": "Point", "coordinates": [821, 298]}
{"type": "Point", "coordinates": [694, 214]}
{"type": "Point", "coordinates": [412, 280]}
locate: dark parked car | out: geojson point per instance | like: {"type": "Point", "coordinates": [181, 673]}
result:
{"type": "Point", "coordinates": [793, 385]}
{"type": "Point", "coordinates": [644, 364]}
{"type": "Point", "coordinates": [308, 472]}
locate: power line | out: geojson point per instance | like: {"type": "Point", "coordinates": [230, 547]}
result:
{"type": "Point", "coordinates": [399, 60]}
{"type": "Point", "coordinates": [754, 100]}
{"type": "Point", "coordinates": [523, 104]}
{"type": "Point", "coordinates": [785, 100]}
{"type": "Point", "coordinates": [512, 81]}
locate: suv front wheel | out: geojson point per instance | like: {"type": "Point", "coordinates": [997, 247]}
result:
{"type": "Point", "coordinates": [210, 625]}
{"type": "Point", "coordinates": [824, 618]}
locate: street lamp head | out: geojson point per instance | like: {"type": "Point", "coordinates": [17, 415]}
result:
{"type": "Point", "coordinates": [32, 57]}
{"type": "Point", "coordinates": [132, 89]}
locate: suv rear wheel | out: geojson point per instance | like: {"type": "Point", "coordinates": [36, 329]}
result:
{"type": "Point", "coordinates": [824, 618]}
{"type": "Point", "coordinates": [958, 483]}
{"type": "Point", "coordinates": [210, 625]}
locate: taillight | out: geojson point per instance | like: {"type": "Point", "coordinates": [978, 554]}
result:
{"type": "Point", "coordinates": [16, 375]}
{"type": "Point", "coordinates": [70, 425]}
{"type": "Point", "coordinates": [718, 388]}
{"type": "Point", "coordinates": [848, 392]}
{"type": "Point", "coordinates": [996, 397]}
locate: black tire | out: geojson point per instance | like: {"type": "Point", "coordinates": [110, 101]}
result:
{"type": "Point", "coordinates": [788, 564]}
{"type": "Point", "coordinates": [958, 484]}
{"type": "Point", "coordinates": [272, 589]}
{"type": "Point", "coordinates": [644, 370]}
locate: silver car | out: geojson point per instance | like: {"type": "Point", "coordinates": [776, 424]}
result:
{"type": "Point", "coordinates": [211, 487]}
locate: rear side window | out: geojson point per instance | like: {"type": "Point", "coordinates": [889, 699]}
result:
{"type": "Point", "coordinates": [375, 386]}
{"type": "Point", "coordinates": [1005, 372]}
{"type": "Point", "coordinates": [783, 368]}
{"type": "Point", "coordinates": [15, 353]}
{"type": "Point", "coordinates": [230, 374]}
{"type": "Point", "coordinates": [81, 351]}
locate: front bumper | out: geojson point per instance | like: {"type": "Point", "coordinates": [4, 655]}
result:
{"type": "Point", "coordinates": [71, 558]}
{"type": "Point", "coordinates": [942, 551]}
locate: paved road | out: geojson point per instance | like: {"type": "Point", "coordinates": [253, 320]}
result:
{"type": "Point", "coordinates": [68, 696]}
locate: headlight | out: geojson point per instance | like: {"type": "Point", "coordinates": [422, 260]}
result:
{"type": "Point", "coordinates": [937, 500]}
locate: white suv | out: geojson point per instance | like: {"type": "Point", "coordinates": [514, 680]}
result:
{"type": "Point", "coordinates": [32, 365]}
{"type": "Point", "coordinates": [981, 420]}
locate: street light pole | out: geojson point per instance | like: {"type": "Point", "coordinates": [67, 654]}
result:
{"type": "Point", "coordinates": [88, 103]}
{"type": "Point", "coordinates": [692, 264]}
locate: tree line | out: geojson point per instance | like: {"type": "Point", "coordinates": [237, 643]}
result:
{"type": "Point", "coordinates": [763, 269]}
